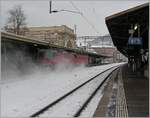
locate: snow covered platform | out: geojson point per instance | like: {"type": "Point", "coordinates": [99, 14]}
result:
{"type": "Point", "coordinates": [127, 95]}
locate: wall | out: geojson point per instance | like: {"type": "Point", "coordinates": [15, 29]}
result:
{"type": "Point", "coordinates": [58, 35]}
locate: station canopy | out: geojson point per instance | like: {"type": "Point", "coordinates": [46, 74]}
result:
{"type": "Point", "coordinates": [120, 25]}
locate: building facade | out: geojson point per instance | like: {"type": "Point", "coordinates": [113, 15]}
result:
{"type": "Point", "coordinates": [57, 35]}
{"type": "Point", "coordinates": [102, 45]}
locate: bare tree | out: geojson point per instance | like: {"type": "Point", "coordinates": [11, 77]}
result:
{"type": "Point", "coordinates": [16, 21]}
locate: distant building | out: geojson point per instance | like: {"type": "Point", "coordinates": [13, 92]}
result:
{"type": "Point", "coordinates": [101, 41]}
{"type": "Point", "coordinates": [97, 44]}
{"type": "Point", "coordinates": [95, 41]}
{"type": "Point", "coordinates": [102, 45]}
{"type": "Point", "coordinates": [57, 35]}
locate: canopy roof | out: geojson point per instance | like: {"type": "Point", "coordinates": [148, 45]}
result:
{"type": "Point", "coordinates": [120, 23]}
{"type": "Point", "coordinates": [5, 36]}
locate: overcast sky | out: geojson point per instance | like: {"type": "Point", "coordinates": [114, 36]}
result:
{"type": "Point", "coordinates": [91, 23]}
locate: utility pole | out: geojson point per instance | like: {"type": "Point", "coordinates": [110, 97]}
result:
{"type": "Point", "coordinates": [50, 7]}
{"type": "Point", "coordinates": [85, 42]}
{"type": "Point", "coordinates": [75, 31]}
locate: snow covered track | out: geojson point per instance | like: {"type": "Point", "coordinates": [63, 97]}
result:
{"type": "Point", "coordinates": [45, 111]}
{"type": "Point", "coordinates": [77, 114]}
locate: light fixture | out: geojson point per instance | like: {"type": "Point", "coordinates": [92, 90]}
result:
{"type": "Point", "coordinates": [35, 45]}
{"type": "Point", "coordinates": [136, 26]}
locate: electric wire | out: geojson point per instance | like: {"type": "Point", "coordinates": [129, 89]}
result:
{"type": "Point", "coordinates": [83, 16]}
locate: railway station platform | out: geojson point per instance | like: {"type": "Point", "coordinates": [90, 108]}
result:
{"type": "Point", "coordinates": [126, 95]}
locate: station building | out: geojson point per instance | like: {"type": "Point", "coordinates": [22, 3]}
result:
{"type": "Point", "coordinates": [57, 35]}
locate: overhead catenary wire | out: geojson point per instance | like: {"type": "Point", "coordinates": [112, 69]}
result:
{"type": "Point", "coordinates": [55, 11]}
{"type": "Point", "coordinates": [83, 16]}
{"type": "Point", "coordinates": [71, 11]}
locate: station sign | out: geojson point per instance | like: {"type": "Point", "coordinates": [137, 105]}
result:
{"type": "Point", "coordinates": [135, 41]}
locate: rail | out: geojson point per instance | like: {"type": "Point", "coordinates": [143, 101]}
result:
{"type": "Point", "coordinates": [72, 91]}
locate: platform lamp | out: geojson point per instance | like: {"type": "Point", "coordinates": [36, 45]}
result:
{"type": "Point", "coordinates": [137, 26]}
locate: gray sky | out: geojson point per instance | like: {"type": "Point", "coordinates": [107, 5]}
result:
{"type": "Point", "coordinates": [37, 13]}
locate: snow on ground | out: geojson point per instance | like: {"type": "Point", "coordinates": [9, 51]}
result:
{"type": "Point", "coordinates": [75, 100]}
{"type": "Point", "coordinates": [93, 104]}
{"type": "Point", "coordinates": [33, 92]}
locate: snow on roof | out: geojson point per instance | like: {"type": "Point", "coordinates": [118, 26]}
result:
{"type": "Point", "coordinates": [100, 46]}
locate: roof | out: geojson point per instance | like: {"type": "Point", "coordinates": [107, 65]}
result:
{"type": "Point", "coordinates": [119, 24]}
{"type": "Point", "coordinates": [61, 28]}
{"type": "Point", "coordinates": [127, 11]}
{"type": "Point", "coordinates": [13, 37]}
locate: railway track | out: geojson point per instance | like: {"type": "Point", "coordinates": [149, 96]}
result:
{"type": "Point", "coordinates": [70, 95]}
